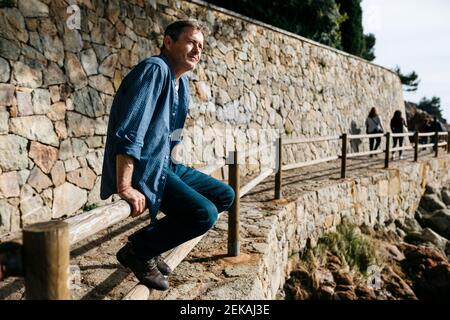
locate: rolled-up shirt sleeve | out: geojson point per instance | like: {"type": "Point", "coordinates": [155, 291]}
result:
{"type": "Point", "coordinates": [138, 104]}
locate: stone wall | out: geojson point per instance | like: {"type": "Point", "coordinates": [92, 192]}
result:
{"type": "Point", "coordinates": [376, 199]}
{"type": "Point", "coordinates": [57, 83]}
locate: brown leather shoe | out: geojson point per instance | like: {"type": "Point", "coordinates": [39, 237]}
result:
{"type": "Point", "coordinates": [146, 271]}
{"type": "Point", "coordinates": [162, 266]}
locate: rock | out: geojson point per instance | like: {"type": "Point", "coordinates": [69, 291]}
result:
{"type": "Point", "coordinates": [429, 270]}
{"type": "Point", "coordinates": [409, 225]}
{"type": "Point", "coordinates": [429, 235]}
{"type": "Point", "coordinates": [13, 152]}
{"type": "Point", "coordinates": [79, 148]}
{"type": "Point", "coordinates": [396, 285]}
{"type": "Point", "coordinates": [61, 129]}
{"type": "Point", "coordinates": [9, 184]}
{"type": "Point", "coordinates": [26, 76]}
{"type": "Point", "coordinates": [343, 278]}
{"type": "Point", "coordinates": [38, 180]}
{"type": "Point", "coordinates": [84, 178]}
{"type": "Point", "coordinates": [5, 70]}
{"type": "Point", "coordinates": [64, 205]}
{"type": "Point", "coordinates": [53, 48]}
{"type": "Point", "coordinates": [342, 292]}
{"type": "Point", "coordinates": [88, 102]}
{"type": "Point", "coordinates": [113, 11]}
{"type": "Point", "coordinates": [79, 126]}
{"type": "Point", "coordinates": [365, 293]}
{"type": "Point", "coordinates": [431, 202]}
{"type": "Point", "coordinates": [101, 51]}
{"type": "Point", "coordinates": [102, 84]}
{"type": "Point", "coordinates": [35, 41]}
{"type": "Point", "coordinates": [65, 91]}
{"type": "Point", "coordinates": [58, 173]}
{"type": "Point", "coordinates": [12, 25]}
{"type": "Point", "coordinates": [9, 49]}
{"type": "Point", "coordinates": [72, 40]}
{"type": "Point", "coordinates": [41, 101]}
{"type": "Point", "coordinates": [4, 117]}
{"type": "Point", "coordinates": [6, 213]}
{"type": "Point", "coordinates": [71, 164]}
{"type": "Point", "coordinates": [32, 207]}
{"type": "Point", "coordinates": [74, 71]}
{"type": "Point", "coordinates": [89, 62]}
{"type": "Point", "coordinates": [6, 94]}
{"type": "Point", "coordinates": [203, 90]}
{"type": "Point", "coordinates": [239, 270]}
{"type": "Point", "coordinates": [33, 8]}
{"type": "Point", "coordinates": [439, 221]}
{"type": "Point", "coordinates": [38, 128]}
{"type": "Point", "coordinates": [57, 111]}
{"type": "Point", "coordinates": [23, 176]}
{"type": "Point", "coordinates": [94, 142]}
{"type": "Point", "coordinates": [108, 65]}
{"type": "Point", "coordinates": [24, 105]}
{"type": "Point", "coordinates": [325, 293]}
{"type": "Point", "coordinates": [33, 57]}
{"type": "Point", "coordinates": [65, 150]}
{"type": "Point", "coordinates": [53, 75]}
{"type": "Point", "coordinates": [117, 79]}
{"type": "Point", "coordinates": [95, 161]}
{"type": "Point", "coordinates": [44, 156]}
{"type": "Point", "coordinates": [54, 93]}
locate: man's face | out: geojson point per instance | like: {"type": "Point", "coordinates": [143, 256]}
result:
{"type": "Point", "coordinates": [185, 53]}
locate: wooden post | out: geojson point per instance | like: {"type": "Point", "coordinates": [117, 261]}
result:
{"type": "Point", "coordinates": [416, 146]}
{"type": "Point", "coordinates": [448, 142]}
{"type": "Point", "coordinates": [233, 213]}
{"type": "Point", "coordinates": [46, 255]}
{"type": "Point", "coordinates": [344, 154]}
{"type": "Point", "coordinates": [388, 150]}
{"type": "Point", "coordinates": [436, 144]}
{"type": "Point", "coordinates": [278, 174]}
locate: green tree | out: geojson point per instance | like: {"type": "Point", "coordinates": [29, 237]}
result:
{"type": "Point", "coordinates": [432, 106]}
{"type": "Point", "coordinates": [318, 20]}
{"type": "Point", "coordinates": [369, 47]}
{"type": "Point", "coordinates": [410, 81]}
{"type": "Point", "coordinates": [354, 40]}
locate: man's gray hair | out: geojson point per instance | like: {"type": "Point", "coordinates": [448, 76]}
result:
{"type": "Point", "coordinates": [175, 29]}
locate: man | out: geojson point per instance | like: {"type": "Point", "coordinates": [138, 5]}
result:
{"type": "Point", "coordinates": [150, 104]}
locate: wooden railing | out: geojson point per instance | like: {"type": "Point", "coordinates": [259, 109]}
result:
{"type": "Point", "coordinates": [46, 246]}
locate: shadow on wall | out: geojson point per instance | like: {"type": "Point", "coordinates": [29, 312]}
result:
{"type": "Point", "coordinates": [355, 143]}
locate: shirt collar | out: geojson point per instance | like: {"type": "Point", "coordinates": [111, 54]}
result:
{"type": "Point", "coordinates": [164, 58]}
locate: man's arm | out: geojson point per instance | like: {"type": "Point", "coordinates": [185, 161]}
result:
{"type": "Point", "coordinates": [124, 173]}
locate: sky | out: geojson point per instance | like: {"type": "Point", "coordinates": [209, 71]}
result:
{"type": "Point", "coordinates": [415, 35]}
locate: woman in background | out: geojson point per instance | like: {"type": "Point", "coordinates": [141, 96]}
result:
{"type": "Point", "coordinates": [374, 125]}
{"type": "Point", "coordinates": [398, 125]}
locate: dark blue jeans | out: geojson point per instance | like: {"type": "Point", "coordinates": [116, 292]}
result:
{"type": "Point", "coordinates": [191, 203]}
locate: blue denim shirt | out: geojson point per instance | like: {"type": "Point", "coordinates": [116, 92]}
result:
{"type": "Point", "coordinates": [145, 112]}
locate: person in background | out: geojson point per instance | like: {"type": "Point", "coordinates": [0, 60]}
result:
{"type": "Point", "coordinates": [374, 125]}
{"type": "Point", "coordinates": [398, 125]}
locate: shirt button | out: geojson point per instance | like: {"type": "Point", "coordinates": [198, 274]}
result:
{"type": "Point", "coordinates": [167, 157]}
{"type": "Point", "coordinates": [159, 200]}
{"type": "Point", "coordinates": [173, 113]}
{"type": "Point", "coordinates": [163, 177]}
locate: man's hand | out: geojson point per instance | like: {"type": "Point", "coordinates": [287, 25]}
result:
{"type": "Point", "coordinates": [124, 170]}
{"type": "Point", "coordinates": [135, 199]}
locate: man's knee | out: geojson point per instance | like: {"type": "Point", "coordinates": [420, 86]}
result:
{"type": "Point", "coordinates": [227, 198]}
{"type": "Point", "coordinates": [207, 218]}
